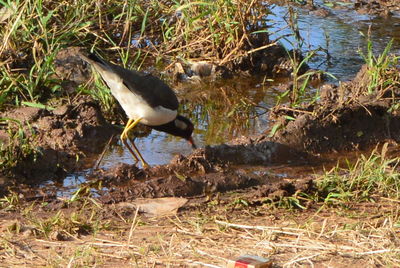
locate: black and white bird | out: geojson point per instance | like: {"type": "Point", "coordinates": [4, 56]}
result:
{"type": "Point", "coordinates": [145, 99]}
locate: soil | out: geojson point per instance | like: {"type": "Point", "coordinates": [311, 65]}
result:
{"type": "Point", "coordinates": [382, 8]}
{"type": "Point", "coordinates": [61, 135]}
{"type": "Point", "coordinates": [343, 119]}
{"type": "Point", "coordinates": [199, 174]}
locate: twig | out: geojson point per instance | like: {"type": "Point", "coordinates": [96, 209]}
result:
{"type": "Point", "coordinates": [96, 166]}
{"type": "Point", "coordinates": [202, 264]}
{"type": "Point", "coordinates": [133, 226]}
{"type": "Point", "coordinates": [222, 62]}
{"type": "Point", "coordinates": [295, 110]}
{"type": "Point", "coordinates": [263, 228]}
{"type": "Point", "coordinates": [261, 48]}
{"type": "Point", "coordinates": [301, 259]}
{"type": "Point", "coordinates": [71, 261]}
{"type": "Point", "coordinates": [377, 251]}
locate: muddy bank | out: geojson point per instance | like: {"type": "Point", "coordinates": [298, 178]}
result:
{"type": "Point", "coordinates": [204, 172]}
{"type": "Point", "coordinates": [382, 8]}
{"type": "Point", "coordinates": [345, 118]}
{"type": "Point", "coordinates": [259, 57]}
{"type": "Point", "coordinates": [58, 138]}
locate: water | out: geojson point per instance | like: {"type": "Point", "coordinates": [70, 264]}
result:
{"type": "Point", "coordinates": [339, 32]}
{"type": "Point", "coordinates": [67, 187]}
{"type": "Point", "coordinates": [157, 148]}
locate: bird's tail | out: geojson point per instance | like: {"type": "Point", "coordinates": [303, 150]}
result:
{"type": "Point", "coordinates": [103, 67]}
{"type": "Point", "coordinates": [93, 57]}
{"type": "Point", "coordinates": [94, 60]}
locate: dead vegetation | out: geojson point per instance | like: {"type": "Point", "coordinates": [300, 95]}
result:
{"type": "Point", "coordinates": [366, 235]}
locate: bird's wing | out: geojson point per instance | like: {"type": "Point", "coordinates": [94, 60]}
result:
{"type": "Point", "coordinates": [154, 91]}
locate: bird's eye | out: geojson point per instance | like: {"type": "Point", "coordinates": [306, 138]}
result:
{"type": "Point", "coordinates": [180, 124]}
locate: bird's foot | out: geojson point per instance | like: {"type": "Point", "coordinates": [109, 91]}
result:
{"type": "Point", "coordinates": [145, 165]}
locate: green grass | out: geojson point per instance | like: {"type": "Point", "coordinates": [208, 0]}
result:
{"type": "Point", "coordinates": [300, 92]}
{"type": "Point", "coordinates": [10, 202]}
{"type": "Point", "coordinates": [366, 180]}
{"type": "Point", "coordinates": [369, 179]}
{"type": "Point", "coordinates": [19, 146]}
{"type": "Point", "coordinates": [381, 69]}
{"type": "Point", "coordinates": [37, 30]}
{"type": "Point", "coordinates": [86, 218]}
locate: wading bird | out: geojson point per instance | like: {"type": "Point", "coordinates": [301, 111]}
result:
{"type": "Point", "coordinates": [145, 99]}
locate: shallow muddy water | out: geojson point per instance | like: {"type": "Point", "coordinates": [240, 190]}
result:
{"type": "Point", "coordinates": [211, 116]}
{"type": "Point", "coordinates": [339, 33]}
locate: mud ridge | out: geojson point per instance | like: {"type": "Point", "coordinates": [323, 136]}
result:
{"type": "Point", "coordinates": [206, 171]}
{"type": "Point", "coordinates": [344, 119]}
{"type": "Point", "coordinates": [175, 184]}
{"type": "Point", "coordinates": [60, 137]}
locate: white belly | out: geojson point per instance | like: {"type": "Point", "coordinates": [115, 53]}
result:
{"type": "Point", "coordinates": [135, 107]}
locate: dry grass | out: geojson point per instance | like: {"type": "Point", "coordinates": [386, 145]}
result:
{"type": "Point", "coordinates": [196, 238]}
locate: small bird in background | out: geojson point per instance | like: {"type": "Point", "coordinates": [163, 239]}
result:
{"type": "Point", "coordinates": [145, 99]}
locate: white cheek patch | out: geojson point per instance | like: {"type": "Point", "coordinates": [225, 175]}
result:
{"type": "Point", "coordinates": [180, 124]}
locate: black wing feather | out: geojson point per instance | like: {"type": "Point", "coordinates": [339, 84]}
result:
{"type": "Point", "coordinates": [153, 90]}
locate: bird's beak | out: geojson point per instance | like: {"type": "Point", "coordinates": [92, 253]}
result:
{"type": "Point", "coordinates": [190, 140]}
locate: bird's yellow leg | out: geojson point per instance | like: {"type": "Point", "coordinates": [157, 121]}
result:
{"type": "Point", "coordinates": [130, 150]}
{"type": "Point", "coordinates": [126, 128]}
{"type": "Point", "coordinates": [124, 136]}
{"type": "Point", "coordinates": [144, 163]}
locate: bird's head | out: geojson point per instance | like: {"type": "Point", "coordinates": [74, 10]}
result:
{"type": "Point", "coordinates": [184, 129]}
{"type": "Point", "coordinates": [181, 127]}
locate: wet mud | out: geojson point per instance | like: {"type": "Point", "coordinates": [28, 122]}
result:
{"type": "Point", "coordinates": [205, 171]}
{"type": "Point", "coordinates": [382, 8]}
{"type": "Point", "coordinates": [272, 60]}
{"type": "Point", "coordinates": [342, 120]}
{"type": "Point", "coordinates": [60, 137]}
